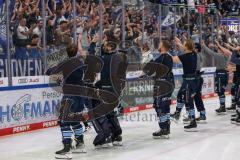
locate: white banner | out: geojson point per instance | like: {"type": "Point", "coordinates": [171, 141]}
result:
{"type": "Point", "coordinates": [30, 80]}
{"type": "Point", "coordinates": [208, 70]}
{"type": "Point", "coordinates": [178, 72]}
{"type": "Point", "coordinates": [208, 84]}
{"type": "Point", "coordinates": [4, 82]}
{"type": "Point", "coordinates": [56, 57]}
{"type": "Point", "coordinates": [27, 106]}
{"type": "Point", "coordinates": [169, 20]}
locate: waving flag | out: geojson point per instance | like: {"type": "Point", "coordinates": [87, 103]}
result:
{"type": "Point", "coordinates": [169, 20]}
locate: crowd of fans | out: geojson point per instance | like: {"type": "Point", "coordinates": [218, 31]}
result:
{"type": "Point", "coordinates": [27, 24]}
{"type": "Point", "coordinates": [228, 7]}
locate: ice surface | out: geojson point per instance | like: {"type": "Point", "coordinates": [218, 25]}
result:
{"type": "Point", "coordinates": [216, 140]}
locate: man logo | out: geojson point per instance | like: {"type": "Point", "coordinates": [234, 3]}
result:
{"type": "Point", "coordinates": [23, 80]}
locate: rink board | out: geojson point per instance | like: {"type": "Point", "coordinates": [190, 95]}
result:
{"type": "Point", "coordinates": [28, 109]}
{"type": "Point", "coordinates": [31, 104]}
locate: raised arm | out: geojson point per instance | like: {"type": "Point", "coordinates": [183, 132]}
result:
{"type": "Point", "coordinates": [176, 59]}
{"type": "Point", "coordinates": [80, 48]}
{"type": "Point", "coordinates": [49, 10]}
{"type": "Point", "coordinates": [229, 46]}
{"type": "Point", "coordinates": [225, 51]}
{"type": "Point", "coordinates": [179, 43]}
{"type": "Point", "coordinates": [208, 50]}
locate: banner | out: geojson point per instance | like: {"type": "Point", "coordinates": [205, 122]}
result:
{"type": "Point", "coordinates": [24, 107]}
{"type": "Point", "coordinates": [169, 20]}
{"type": "Point", "coordinates": [3, 82]}
{"type": "Point", "coordinates": [208, 84]}
{"type": "Point", "coordinates": [29, 80]}
{"type": "Point", "coordinates": [56, 57]}
{"type": "Point", "coordinates": [140, 91]}
{"type": "Point", "coordinates": [21, 68]}
{"type": "Point", "coordinates": [232, 24]}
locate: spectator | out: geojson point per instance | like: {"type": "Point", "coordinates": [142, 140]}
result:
{"type": "Point", "coordinates": [38, 29]}
{"type": "Point", "coordinates": [155, 52]}
{"type": "Point", "coordinates": [63, 34]}
{"type": "Point", "coordinates": [146, 56]}
{"type": "Point", "coordinates": [23, 33]}
{"type": "Point", "coordinates": [34, 43]}
{"type": "Point", "coordinates": [50, 30]}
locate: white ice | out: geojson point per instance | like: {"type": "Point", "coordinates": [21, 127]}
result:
{"type": "Point", "coordinates": [216, 140]}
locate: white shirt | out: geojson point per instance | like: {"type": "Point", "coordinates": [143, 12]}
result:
{"type": "Point", "coordinates": [146, 57]}
{"type": "Point", "coordinates": [21, 29]}
{"type": "Point", "coordinates": [37, 31]}
{"type": "Point", "coordinates": [61, 19]}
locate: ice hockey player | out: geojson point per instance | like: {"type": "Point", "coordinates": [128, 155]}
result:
{"type": "Point", "coordinates": [221, 77]}
{"type": "Point", "coordinates": [189, 85]}
{"type": "Point", "coordinates": [107, 127]}
{"type": "Point", "coordinates": [70, 129]}
{"type": "Point", "coordinates": [236, 60]}
{"type": "Point", "coordinates": [198, 95]}
{"type": "Point", "coordinates": [162, 102]}
{"type": "Point", "coordinates": [234, 53]}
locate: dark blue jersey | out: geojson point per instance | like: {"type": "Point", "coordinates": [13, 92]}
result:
{"type": "Point", "coordinates": [105, 73]}
{"type": "Point", "coordinates": [76, 76]}
{"type": "Point", "coordinates": [236, 60]}
{"type": "Point", "coordinates": [166, 60]}
{"type": "Point", "coordinates": [189, 62]}
{"type": "Point", "coordinates": [114, 66]}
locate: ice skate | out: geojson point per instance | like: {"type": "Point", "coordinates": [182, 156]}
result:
{"type": "Point", "coordinates": [236, 120]}
{"type": "Point", "coordinates": [117, 141]}
{"type": "Point", "coordinates": [232, 108]}
{"type": "Point", "coordinates": [78, 146]}
{"type": "Point", "coordinates": [186, 120]}
{"type": "Point", "coordinates": [221, 110]}
{"type": "Point", "coordinates": [234, 115]}
{"type": "Point", "coordinates": [161, 134]}
{"type": "Point", "coordinates": [107, 143]}
{"type": "Point", "coordinates": [65, 153]}
{"type": "Point", "coordinates": [192, 127]}
{"type": "Point", "coordinates": [201, 119]}
{"type": "Point", "coordinates": [175, 116]}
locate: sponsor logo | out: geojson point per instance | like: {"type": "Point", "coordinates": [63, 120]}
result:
{"type": "Point", "coordinates": [21, 129]}
{"type": "Point", "coordinates": [134, 109]}
{"type": "Point", "coordinates": [50, 124]}
{"type": "Point", "coordinates": [148, 106]}
{"type": "Point", "coordinates": [22, 80]}
{"type": "Point", "coordinates": [34, 80]}
{"type": "Point", "coordinates": [25, 108]}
